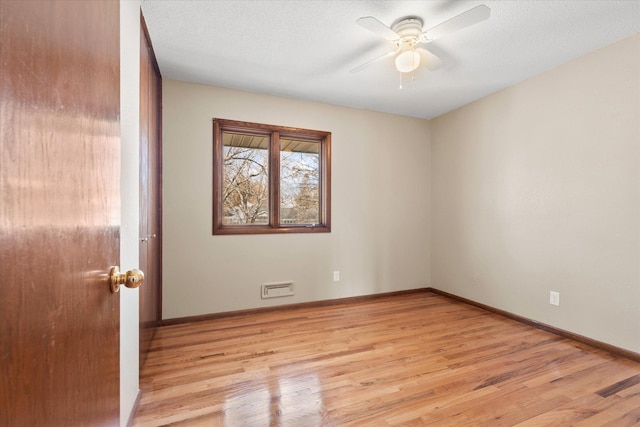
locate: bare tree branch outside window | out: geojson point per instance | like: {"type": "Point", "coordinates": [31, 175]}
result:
{"type": "Point", "coordinates": [299, 177]}
{"type": "Point", "coordinates": [246, 186]}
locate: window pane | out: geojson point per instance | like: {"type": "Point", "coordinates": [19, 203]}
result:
{"type": "Point", "coordinates": [245, 189]}
{"type": "Point", "coordinates": [299, 182]}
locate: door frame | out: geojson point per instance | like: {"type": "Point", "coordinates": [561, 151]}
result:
{"type": "Point", "coordinates": [150, 297]}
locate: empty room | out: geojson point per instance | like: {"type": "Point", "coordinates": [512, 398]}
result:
{"type": "Point", "coordinates": [320, 213]}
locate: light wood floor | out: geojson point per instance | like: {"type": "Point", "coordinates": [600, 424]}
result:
{"type": "Point", "coordinates": [410, 360]}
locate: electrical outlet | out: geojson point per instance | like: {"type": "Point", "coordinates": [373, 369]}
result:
{"type": "Point", "coordinates": [336, 276]}
{"type": "Point", "coordinates": [554, 298]}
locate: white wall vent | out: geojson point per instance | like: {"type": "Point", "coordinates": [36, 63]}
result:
{"type": "Point", "coordinates": [277, 290]}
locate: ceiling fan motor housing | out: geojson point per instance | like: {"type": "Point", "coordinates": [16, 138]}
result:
{"type": "Point", "coordinates": [409, 29]}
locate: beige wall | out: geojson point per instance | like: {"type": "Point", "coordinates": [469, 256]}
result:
{"type": "Point", "coordinates": [537, 188]}
{"type": "Point", "coordinates": [380, 206]}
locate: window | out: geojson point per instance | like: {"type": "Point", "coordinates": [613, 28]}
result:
{"type": "Point", "coordinates": [270, 179]}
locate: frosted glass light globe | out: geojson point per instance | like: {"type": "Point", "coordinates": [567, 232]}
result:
{"type": "Point", "coordinates": [407, 61]}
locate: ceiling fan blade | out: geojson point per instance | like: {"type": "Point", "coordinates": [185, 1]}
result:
{"type": "Point", "coordinates": [464, 20]}
{"type": "Point", "coordinates": [377, 27]}
{"type": "Point", "coordinates": [366, 64]}
{"type": "Point", "coordinates": [430, 60]}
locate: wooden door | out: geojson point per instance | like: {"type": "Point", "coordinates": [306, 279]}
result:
{"type": "Point", "coordinates": [150, 194]}
{"type": "Point", "coordinates": [59, 212]}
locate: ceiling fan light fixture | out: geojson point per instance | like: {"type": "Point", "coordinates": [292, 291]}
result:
{"type": "Point", "coordinates": [407, 61]}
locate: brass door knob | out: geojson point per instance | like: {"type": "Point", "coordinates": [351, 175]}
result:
{"type": "Point", "coordinates": [131, 279]}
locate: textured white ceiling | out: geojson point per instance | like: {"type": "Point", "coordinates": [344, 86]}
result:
{"type": "Point", "coordinates": [305, 49]}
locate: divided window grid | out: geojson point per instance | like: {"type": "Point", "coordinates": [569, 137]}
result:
{"type": "Point", "coordinates": [270, 179]}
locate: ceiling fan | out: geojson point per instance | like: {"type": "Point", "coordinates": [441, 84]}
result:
{"type": "Point", "coordinates": [409, 37]}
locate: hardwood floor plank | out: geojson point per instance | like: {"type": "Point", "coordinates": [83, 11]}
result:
{"type": "Point", "coordinates": [630, 392]}
{"type": "Point", "coordinates": [411, 360]}
{"type": "Point", "coordinates": [619, 386]}
{"type": "Point", "coordinates": [617, 414]}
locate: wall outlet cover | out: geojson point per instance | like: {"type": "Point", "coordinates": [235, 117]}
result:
{"type": "Point", "coordinates": [554, 298]}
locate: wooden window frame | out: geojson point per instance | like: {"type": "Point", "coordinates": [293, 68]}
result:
{"type": "Point", "coordinates": [275, 133]}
